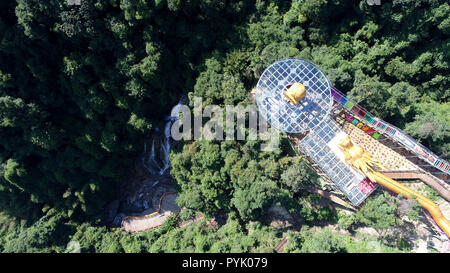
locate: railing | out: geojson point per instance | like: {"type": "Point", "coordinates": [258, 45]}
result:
{"type": "Point", "coordinates": [147, 215]}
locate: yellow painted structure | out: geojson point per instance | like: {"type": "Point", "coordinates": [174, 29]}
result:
{"type": "Point", "coordinates": [295, 93]}
{"type": "Point", "coordinates": [363, 161]}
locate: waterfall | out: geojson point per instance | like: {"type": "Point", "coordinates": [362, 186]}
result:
{"type": "Point", "coordinates": [157, 160]}
{"type": "Point", "coordinates": [165, 148]}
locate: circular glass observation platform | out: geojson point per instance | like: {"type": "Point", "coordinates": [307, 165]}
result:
{"type": "Point", "coordinates": [283, 114]}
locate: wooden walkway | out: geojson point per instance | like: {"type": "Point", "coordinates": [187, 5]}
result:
{"type": "Point", "coordinates": [330, 196]}
{"type": "Point", "coordinates": [280, 247]}
{"type": "Point", "coordinates": [428, 179]}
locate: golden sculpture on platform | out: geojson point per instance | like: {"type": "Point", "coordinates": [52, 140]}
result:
{"type": "Point", "coordinates": [356, 157]}
{"type": "Point", "coordinates": [295, 93]}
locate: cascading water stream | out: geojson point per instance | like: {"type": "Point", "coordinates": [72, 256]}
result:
{"type": "Point", "coordinates": [156, 161]}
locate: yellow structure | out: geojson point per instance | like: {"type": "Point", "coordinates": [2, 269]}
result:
{"type": "Point", "coordinates": [295, 93]}
{"type": "Point", "coordinates": [363, 161]}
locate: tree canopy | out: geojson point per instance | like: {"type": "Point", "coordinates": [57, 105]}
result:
{"type": "Point", "coordinates": [83, 86]}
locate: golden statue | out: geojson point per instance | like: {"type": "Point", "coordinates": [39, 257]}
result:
{"type": "Point", "coordinates": [356, 157]}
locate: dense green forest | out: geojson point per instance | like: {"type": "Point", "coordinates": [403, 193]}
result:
{"type": "Point", "coordinates": [82, 86]}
